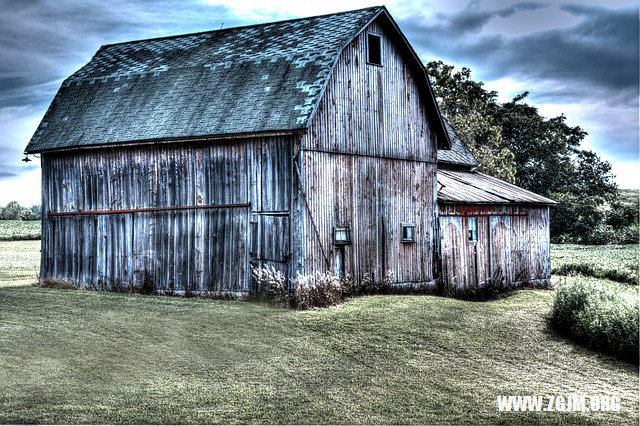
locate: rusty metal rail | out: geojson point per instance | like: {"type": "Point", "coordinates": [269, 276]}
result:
{"type": "Point", "coordinates": [148, 209]}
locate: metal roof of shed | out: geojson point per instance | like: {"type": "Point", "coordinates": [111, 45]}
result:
{"type": "Point", "coordinates": [465, 187]}
{"type": "Point", "coordinates": [244, 80]}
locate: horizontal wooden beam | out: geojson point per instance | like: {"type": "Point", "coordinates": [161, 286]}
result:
{"type": "Point", "coordinates": [158, 141]}
{"type": "Point", "coordinates": [149, 209]}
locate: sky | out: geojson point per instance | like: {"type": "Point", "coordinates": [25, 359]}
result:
{"type": "Point", "coordinates": [577, 58]}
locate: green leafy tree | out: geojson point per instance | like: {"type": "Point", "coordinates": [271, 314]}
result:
{"type": "Point", "coordinates": [468, 106]}
{"type": "Point", "coordinates": [623, 214]}
{"type": "Point", "coordinates": [484, 140]}
{"type": "Point", "coordinates": [35, 212]}
{"type": "Point", "coordinates": [14, 211]}
{"type": "Point", "coordinates": [575, 218]}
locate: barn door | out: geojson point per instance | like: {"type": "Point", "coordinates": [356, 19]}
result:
{"type": "Point", "coordinates": [452, 254]}
{"type": "Point", "coordinates": [500, 248]}
{"type": "Point", "coordinates": [270, 242]}
{"type": "Point", "coordinates": [520, 250]}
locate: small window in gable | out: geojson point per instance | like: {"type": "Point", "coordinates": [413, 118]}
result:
{"type": "Point", "coordinates": [375, 49]}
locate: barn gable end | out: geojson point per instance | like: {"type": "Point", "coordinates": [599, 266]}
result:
{"type": "Point", "coordinates": [373, 144]}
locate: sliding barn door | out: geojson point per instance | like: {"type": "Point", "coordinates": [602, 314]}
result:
{"type": "Point", "coordinates": [453, 267]}
{"type": "Point", "coordinates": [270, 242]}
{"type": "Point", "coordinates": [500, 248]}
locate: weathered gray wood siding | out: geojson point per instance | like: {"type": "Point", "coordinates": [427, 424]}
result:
{"type": "Point", "coordinates": [368, 161]}
{"type": "Point", "coordinates": [512, 248]}
{"type": "Point", "coordinates": [193, 250]}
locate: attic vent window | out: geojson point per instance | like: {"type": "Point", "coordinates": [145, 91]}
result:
{"type": "Point", "coordinates": [374, 49]}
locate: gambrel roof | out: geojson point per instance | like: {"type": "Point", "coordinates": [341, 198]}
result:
{"type": "Point", "coordinates": [243, 80]}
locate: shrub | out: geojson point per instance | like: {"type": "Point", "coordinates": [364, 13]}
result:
{"type": "Point", "coordinates": [607, 234]}
{"type": "Point", "coordinates": [270, 283]}
{"type": "Point", "coordinates": [600, 315]}
{"type": "Point", "coordinates": [316, 290]}
{"type": "Point", "coordinates": [325, 289]}
{"type": "Point", "coordinates": [49, 282]}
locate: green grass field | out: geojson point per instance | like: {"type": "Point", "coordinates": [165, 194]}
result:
{"type": "Point", "coordinates": [12, 230]}
{"type": "Point", "coordinates": [71, 356]}
{"type": "Point", "coordinates": [616, 262]}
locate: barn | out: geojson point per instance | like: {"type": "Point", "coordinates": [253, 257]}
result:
{"type": "Point", "coordinates": [176, 164]}
{"type": "Point", "coordinates": [492, 234]}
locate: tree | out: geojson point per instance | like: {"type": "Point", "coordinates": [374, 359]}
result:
{"type": "Point", "coordinates": [468, 107]}
{"type": "Point", "coordinates": [484, 140]}
{"type": "Point", "coordinates": [542, 148]}
{"type": "Point", "coordinates": [13, 211]}
{"type": "Point", "coordinates": [36, 212]}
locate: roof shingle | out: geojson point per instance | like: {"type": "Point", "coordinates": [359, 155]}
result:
{"type": "Point", "coordinates": [458, 154]}
{"type": "Point", "coordinates": [239, 80]}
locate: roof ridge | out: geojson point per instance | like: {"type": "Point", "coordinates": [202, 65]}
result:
{"type": "Point", "coordinates": [220, 30]}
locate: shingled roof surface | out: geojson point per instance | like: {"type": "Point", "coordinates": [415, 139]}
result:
{"type": "Point", "coordinates": [251, 79]}
{"type": "Point", "coordinates": [459, 154]}
{"type": "Point", "coordinates": [464, 187]}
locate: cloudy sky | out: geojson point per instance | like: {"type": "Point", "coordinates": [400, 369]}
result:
{"type": "Point", "coordinates": [579, 58]}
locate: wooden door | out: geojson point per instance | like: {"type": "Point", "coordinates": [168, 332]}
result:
{"type": "Point", "coordinates": [521, 270]}
{"type": "Point", "coordinates": [270, 242]}
{"type": "Point", "coordinates": [500, 248]}
{"type": "Point", "coordinates": [453, 262]}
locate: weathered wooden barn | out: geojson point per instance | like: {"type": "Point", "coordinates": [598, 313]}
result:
{"type": "Point", "coordinates": [175, 164]}
{"type": "Point", "coordinates": [492, 233]}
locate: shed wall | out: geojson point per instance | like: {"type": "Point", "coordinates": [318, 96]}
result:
{"type": "Point", "coordinates": [512, 248]}
{"type": "Point", "coordinates": [192, 250]}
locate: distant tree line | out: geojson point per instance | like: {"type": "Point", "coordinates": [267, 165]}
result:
{"type": "Point", "coordinates": [14, 211]}
{"type": "Point", "coordinates": [513, 142]}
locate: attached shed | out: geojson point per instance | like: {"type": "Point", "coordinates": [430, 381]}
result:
{"type": "Point", "coordinates": [492, 233]}
{"type": "Point", "coordinates": [175, 164]}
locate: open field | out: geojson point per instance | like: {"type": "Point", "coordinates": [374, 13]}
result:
{"type": "Point", "coordinates": [81, 356]}
{"type": "Point", "coordinates": [615, 262]}
{"type": "Point", "coordinates": [11, 230]}
{"type": "Point", "coordinates": [19, 262]}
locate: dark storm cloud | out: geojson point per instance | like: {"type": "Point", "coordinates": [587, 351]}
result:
{"type": "Point", "coordinates": [598, 56]}
{"type": "Point", "coordinates": [473, 18]}
{"type": "Point", "coordinates": [42, 42]}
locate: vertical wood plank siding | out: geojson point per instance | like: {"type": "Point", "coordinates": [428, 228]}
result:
{"type": "Point", "coordinates": [512, 247]}
{"type": "Point", "coordinates": [368, 161]}
{"type": "Point", "coordinates": [178, 250]}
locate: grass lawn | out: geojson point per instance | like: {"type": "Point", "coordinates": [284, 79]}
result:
{"type": "Point", "coordinates": [87, 357]}
{"type": "Point", "coordinates": [616, 262]}
{"type": "Point", "coordinates": [11, 230]}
